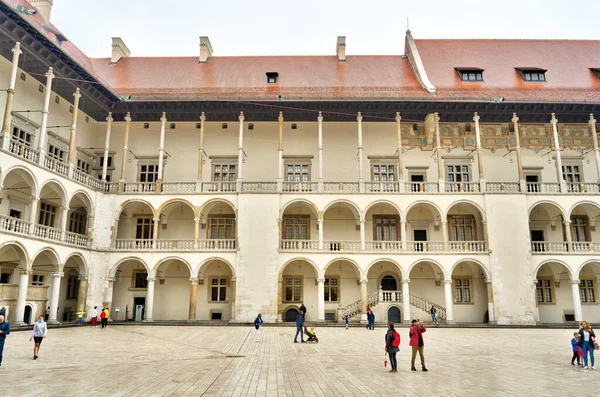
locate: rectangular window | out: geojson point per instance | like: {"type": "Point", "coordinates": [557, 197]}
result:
{"type": "Point", "coordinates": [587, 291]}
{"type": "Point", "coordinates": [331, 290]}
{"type": "Point", "coordinates": [296, 227]}
{"type": "Point", "coordinates": [108, 164]}
{"type": "Point", "coordinates": [580, 228]}
{"type": "Point", "coordinates": [47, 214]}
{"type": "Point", "coordinates": [56, 153]}
{"type": "Point", "coordinates": [533, 75]}
{"type": "Point", "coordinates": [148, 173]}
{"type": "Point", "coordinates": [457, 173]}
{"type": "Point", "coordinates": [297, 172]}
{"type": "Point", "coordinates": [383, 173]}
{"type": "Point", "coordinates": [140, 279]}
{"type": "Point", "coordinates": [543, 291]}
{"type": "Point", "coordinates": [386, 228]}
{"type": "Point", "coordinates": [224, 172]}
{"type": "Point", "coordinates": [72, 288]}
{"type": "Point", "coordinates": [37, 280]}
{"type": "Point", "coordinates": [293, 289]}
{"type": "Point", "coordinates": [462, 228]}
{"type": "Point", "coordinates": [144, 229]}
{"type": "Point", "coordinates": [572, 175]}
{"type": "Point", "coordinates": [84, 166]}
{"type": "Point", "coordinates": [218, 292]}
{"type": "Point", "coordinates": [471, 75]}
{"type": "Point", "coordinates": [330, 316]}
{"type": "Point", "coordinates": [221, 228]}
{"type": "Point", "coordinates": [4, 278]}
{"type": "Point", "coordinates": [77, 222]}
{"type": "Point", "coordinates": [21, 136]}
{"type": "Point", "coordinates": [462, 291]}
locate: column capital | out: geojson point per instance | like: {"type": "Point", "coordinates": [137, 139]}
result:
{"type": "Point", "coordinates": [156, 219]}
{"type": "Point", "coordinates": [592, 119]}
{"type": "Point", "coordinates": [109, 119]}
{"type": "Point", "coordinates": [82, 277]}
{"type": "Point", "coordinates": [406, 280]}
{"type": "Point", "coordinates": [488, 280]}
{"type": "Point", "coordinates": [514, 119]}
{"type": "Point", "coordinates": [111, 279]}
{"type": "Point", "coordinates": [320, 220]}
{"type": "Point", "coordinates": [151, 279]}
{"type": "Point", "coordinates": [398, 117]}
{"type": "Point", "coordinates": [359, 117]}
{"type": "Point", "coordinates": [567, 222]}
{"type": "Point", "coordinates": [321, 280]}
{"type": "Point", "coordinates": [202, 117]}
{"type": "Point", "coordinates": [575, 282]}
{"type": "Point", "coordinates": [280, 117]}
{"type": "Point", "coordinates": [242, 116]}
{"type": "Point", "coordinates": [447, 281]}
{"type": "Point", "coordinates": [364, 280]}
{"type": "Point", "coordinates": [163, 118]}
{"type": "Point", "coordinates": [77, 94]}
{"type": "Point", "coordinates": [194, 280]}
{"type": "Point", "coordinates": [57, 274]}
{"type": "Point", "coordinates": [24, 272]}
{"type": "Point", "coordinates": [128, 117]}
{"type": "Point", "coordinates": [17, 48]}
{"type": "Point", "coordinates": [65, 208]}
{"type": "Point", "coordinates": [476, 117]}
{"type": "Point", "coordinates": [320, 118]}
{"type": "Point", "coordinates": [196, 220]}
{"type": "Point", "coordinates": [554, 120]}
{"type": "Point", "coordinates": [50, 73]}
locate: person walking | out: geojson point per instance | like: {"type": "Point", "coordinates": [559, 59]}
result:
{"type": "Point", "coordinates": [372, 320]}
{"type": "Point", "coordinates": [94, 315]}
{"type": "Point", "coordinates": [103, 318]}
{"type": "Point", "coordinates": [299, 327]}
{"type": "Point", "coordinates": [392, 345]}
{"type": "Point", "coordinates": [575, 346]}
{"type": "Point", "coordinates": [40, 330]}
{"type": "Point", "coordinates": [417, 343]}
{"type": "Point", "coordinates": [80, 317]}
{"type": "Point", "coordinates": [258, 325]}
{"type": "Point", "coordinates": [4, 332]}
{"type": "Point", "coordinates": [586, 343]}
{"type": "Point", "coordinates": [433, 312]}
{"type": "Point", "coordinates": [303, 308]}
{"type": "Point", "coordinates": [346, 321]}
{"type": "Point", "coordinates": [369, 312]}
{"type": "Point", "coordinates": [47, 313]}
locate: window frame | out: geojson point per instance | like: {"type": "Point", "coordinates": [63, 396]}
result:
{"type": "Point", "coordinates": [387, 217]}
{"type": "Point", "coordinates": [221, 161]}
{"type": "Point", "coordinates": [466, 216]}
{"type": "Point", "coordinates": [468, 173]}
{"type": "Point", "coordinates": [56, 152]}
{"type": "Point", "coordinates": [580, 223]}
{"type": "Point", "coordinates": [328, 288]}
{"type": "Point", "coordinates": [584, 291]}
{"type": "Point", "coordinates": [219, 287]}
{"type": "Point", "coordinates": [284, 234]}
{"type": "Point", "coordinates": [144, 218]}
{"type": "Point", "coordinates": [78, 223]}
{"type": "Point", "coordinates": [37, 280]}
{"type": "Point", "coordinates": [47, 214]}
{"type": "Point", "coordinates": [527, 75]}
{"type": "Point", "coordinates": [72, 287]}
{"type": "Point", "coordinates": [210, 222]}
{"type": "Point", "coordinates": [543, 288]}
{"type": "Point", "coordinates": [134, 278]}
{"type": "Point", "coordinates": [143, 170]}
{"type": "Point", "coordinates": [466, 73]}
{"type": "Point", "coordinates": [457, 283]}
{"type": "Point", "coordinates": [284, 286]}
{"type": "Point", "coordinates": [6, 275]}
{"type": "Point", "coordinates": [294, 164]}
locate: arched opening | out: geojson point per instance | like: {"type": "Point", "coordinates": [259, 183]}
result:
{"type": "Point", "coordinates": [342, 287]}
{"type": "Point", "coordinates": [466, 231]}
{"type": "Point", "coordinates": [12, 259]}
{"type": "Point", "coordinates": [290, 315]}
{"type": "Point", "coordinates": [383, 228]}
{"type": "Point", "coordinates": [394, 315]}
{"type": "Point", "coordinates": [546, 227]}
{"type": "Point", "coordinates": [44, 267]}
{"type": "Point", "coordinates": [216, 291]}
{"type": "Point", "coordinates": [176, 229]}
{"type": "Point", "coordinates": [427, 288]}
{"type": "Point", "coordinates": [299, 230]}
{"type": "Point", "coordinates": [469, 292]}
{"type": "Point", "coordinates": [218, 226]}
{"type": "Point", "coordinates": [423, 229]}
{"type": "Point", "coordinates": [389, 283]}
{"type": "Point", "coordinates": [77, 224]}
{"type": "Point", "coordinates": [584, 235]}
{"type": "Point", "coordinates": [136, 227]}
{"type": "Point", "coordinates": [27, 314]}
{"type": "Point", "coordinates": [589, 281]}
{"type": "Point", "coordinates": [130, 288]}
{"type": "Point", "coordinates": [341, 228]}
{"type": "Point", "coordinates": [553, 294]}
{"type": "Point", "coordinates": [171, 291]}
{"type": "Point", "coordinates": [17, 207]}
{"type": "Point", "coordinates": [298, 286]}
{"type": "Point", "coordinates": [71, 297]}
{"type": "Point", "coordinates": [51, 208]}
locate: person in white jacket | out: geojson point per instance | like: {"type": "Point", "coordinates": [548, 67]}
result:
{"type": "Point", "coordinates": [40, 330]}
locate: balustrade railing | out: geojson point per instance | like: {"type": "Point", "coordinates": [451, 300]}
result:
{"type": "Point", "coordinates": [382, 187]}
{"type": "Point", "coordinates": [218, 187]}
{"type": "Point", "coordinates": [14, 225]}
{"type": "Point", "coordinates": [179, 187]}
{"type": "Point", "coordinates": [425, 305]}
{"type": "Point", "coordinates": [583, 188]}
{"type": "Point", "coordinates": [56, 165]}
{"type": "Point", "coordinates": [299, 245]}
{"type": "Point", "coordinates": [218, 245]}
{"type": "Point", "coordinates": [300, 187]}
{"type": "Point", "coordinates": [425, 246]}
{"type": "Point", "coordinates": [174, 245]}
{"type": "Point", "coordinates": [466, 246]}
{"type": "Point", "coordinates": [422, 187]}
{"type": "Point", "coordinates": [134, 244]}
{"type": "Point", "coordinates": [390, 296]}
{"type": "Point", "coordinates": [462, 187]}
{"type": "Point", "coordinates": [76, 239]}
{"type": "Point", "coordinates": [47, 232]}
{"type": "Point", "coordinates": [502, 187]}
{"type": "Point", "coordinates": [340, 187]}
{"type": "Point", "coordinates": [139, 187]}
{"type": "Point", "coordinates": [341, 246]}
{"type": "Point", "coordinates": [23, 151]}
{"type": "Point", "coordinates": [383, 246]}
{"type": "Point", "coordinates": [586, 247]}
{"type": "Point", "coordinates": [540, 247]}
{"type": "Point", "coordinates": [543, 187]}
{"type": "Point", "coordinates": [259, 187]}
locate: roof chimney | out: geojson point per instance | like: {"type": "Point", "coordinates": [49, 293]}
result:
{"type": "Point", "coordinates": [340, 48]}
{"type": "Point", "coordinates": [44, 7]}
{"type": "Point", "coordinates": [205, 49]}
{"type": "Point", "coordinates": [119, 50]}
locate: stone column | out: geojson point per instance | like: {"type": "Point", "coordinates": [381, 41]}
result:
{"type": "Point", "coordinates": [201, 153]}
{"type": "Point", "coordinates": [156, 223]}
{"type": "Point", "coordinates": [193, 291]}
{"type": "Point", "coordinates": [64, 216]}
{"type": "Point", "coordinates": [54, 297]}
{"type": "Point", "coordinates": [592, 123]}
{"type": "Point", "coordinates": [33, 214]}
{"type": "Point", "coordinates": [233, 293]}
{"type": "Point", "coordinates": [44, 123]}
{"type": "Point", "coordinates": [406, 301]}
{"type": "Point", "coordinates": [72, 159]}
{"type": "Point", "coordinates": [522, 184]}
{"type": "Point", "coordinates": [444, 225]}
{"type": "Point", "coordinates": [149, 301]}
{"type": "Point", "coordinates": [108, 294]}
{"type": "Point", "coordinates": [280, 154]}
{"type": "Point", "coordinates": [399, 151]}
{"type": "Point", "coordinates": [161, 152]}
{"type": "Point", "coordinates": [438, 153]}
{"type": "Point", "coordinates": [559, 173]}
{"type": "Point", "coordinates": [576, 300]}
{"type": "Point", "coordinates": [109, 121]}
{"type": "Point", "coordinates": [90, 229]}
{"type": "Point", "coordinates": [196, 232]}
{"type": "Point", "coordinates": [82, 294]}
{"type": "Point", "coordinates": [320, 225]}
{"type": "Point", "coordinates": [279, 300]}
{"type": "Point", "coordinates": [403, 235]}
{"type": "Point", "coordinates": [479, 153]}
{"type": "Point", "coordinates": [321, 300]}
{"type": "Point", "coordinates": [361, 178]}
{"type": "Point", "coordinates": [490, 298]}
{"type": "Point", "coordinates": [125, 153]}
{"type": "Point", "coordinates": [21, 296]}
{"type": "Point", "coordinates": [568, 235]}
{"type": "Point", "coordinates": [363, 243]}
{"type": "Point", "coordinates": [449, 301]}
{"type": "Point", "coordinates": [364, 295]}
{"type": "Point", "coordinates": [321, 186]}
{"type": "Point", "coordinates": [485, 236]}
{"type": "Point", "coordinates": [9, 97]}
{"type": "Point", "coordinates": [240, 153]}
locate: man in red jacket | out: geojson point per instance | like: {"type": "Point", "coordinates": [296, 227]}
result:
{"type": "Point", "coordinates": [416, 342]}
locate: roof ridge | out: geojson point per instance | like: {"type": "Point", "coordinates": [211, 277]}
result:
{"type": "Point", "coordinates": [251, 56]}
{"type": "Point", "coordinates": [491, 39]}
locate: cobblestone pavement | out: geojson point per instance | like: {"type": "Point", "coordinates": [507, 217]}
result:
{"type": "Point", "coordinates": [226, 361]}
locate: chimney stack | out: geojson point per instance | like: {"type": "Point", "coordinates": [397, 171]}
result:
{"type": "Point", "coordinates": [340, 48]}
{"type": "Point", "coordinates": [119, 50]}
{"type": "Point", "coordinates": [206, 49]}
{"type": "Point", "coordinates": [44, 7]}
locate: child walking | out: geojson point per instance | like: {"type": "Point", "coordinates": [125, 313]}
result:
{"type": "Point", "coordinates": [575, 346]}
{"type": "Point", "coordinates": [346, 320]}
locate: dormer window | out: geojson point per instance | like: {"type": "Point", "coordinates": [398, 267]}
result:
{"type": "Point", "coordinates": [532, 74]}
{"type": "Point", "coordinates": [596, 71]}
{"type": "Point", "coordinates": [470, 74]}
{"type": "Point", "coordinates": [272, 77]}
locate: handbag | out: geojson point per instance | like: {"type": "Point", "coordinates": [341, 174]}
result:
{"type": "Point", "coordinates": [595, 343]}
{"type": "Point", "coordinates": [579, 351]}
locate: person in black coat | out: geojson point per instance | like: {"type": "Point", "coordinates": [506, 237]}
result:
{"type": "Point", "coordinates": [303, 308]}
{"type": "Point", "coordinates": [586, 343]}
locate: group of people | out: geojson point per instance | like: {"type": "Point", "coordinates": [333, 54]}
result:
{"type": "Point", "coordinates": [584, 343]}
{"type": "Point", "coordinates": [417, 343]}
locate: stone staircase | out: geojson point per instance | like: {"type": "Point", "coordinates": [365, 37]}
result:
{"type": "Point", "coordinates": [416, 301]}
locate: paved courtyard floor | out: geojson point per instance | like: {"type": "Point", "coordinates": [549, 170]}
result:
{"type": "Point", "coordinates": [226, 361]}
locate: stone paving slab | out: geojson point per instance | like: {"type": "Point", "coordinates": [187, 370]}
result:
{"type": "Point", "coordinates": [226, 361]}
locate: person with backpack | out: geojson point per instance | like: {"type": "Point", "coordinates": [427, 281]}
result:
{"type": "Point", "coordinates": [392, 345]}
{"type": "Point", "coordinates": [417, 343]}
{"type": "Point", "coordinates": [258, 325]}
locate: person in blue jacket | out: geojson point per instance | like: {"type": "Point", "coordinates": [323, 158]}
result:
{"type": "Point", "coordinates": [258, 325]}
{"type": "Point", "coordinates": [299, 326]}
{"type": "Point", "coordinates": [575, 346]}
{"type": "Point", "coordinates": [4, 331]}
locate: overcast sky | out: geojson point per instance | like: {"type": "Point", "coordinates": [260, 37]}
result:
{"type": "Point", "coordinates": [310, 27]}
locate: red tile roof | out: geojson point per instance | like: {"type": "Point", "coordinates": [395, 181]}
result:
{"type": "Point", "coordinates": [568, 63]}
{"type": "Point", "coordinates": [300, 77]}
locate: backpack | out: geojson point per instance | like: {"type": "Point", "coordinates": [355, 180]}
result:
{"type": "Point", "coordinates": [396, 340]}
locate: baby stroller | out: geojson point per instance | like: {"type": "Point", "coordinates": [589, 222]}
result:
{"type": "Point", "coordinates": [312, 337]}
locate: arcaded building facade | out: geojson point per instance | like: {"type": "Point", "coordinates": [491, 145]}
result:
{"type": "Point", "coordinates": [463, 174]}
